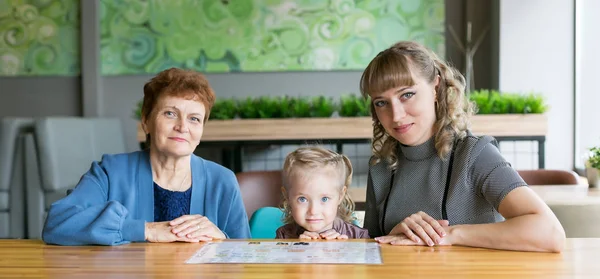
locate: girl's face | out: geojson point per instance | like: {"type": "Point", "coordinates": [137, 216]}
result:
{"type": "Point", "coordinates": [314, 198]}
{"type": "Point", "coordinates": [408, 113]}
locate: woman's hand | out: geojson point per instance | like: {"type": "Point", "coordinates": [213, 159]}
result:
{"type": "Point", "coordinates": [419, 228]}
{"type": "Point", "coordinates": [161, 232]}
{"type": "Point", "coordinates": [196, 227]}
{"type": "Point", "coordinates": [403, 240]}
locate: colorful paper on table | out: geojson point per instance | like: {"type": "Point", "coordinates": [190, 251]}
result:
{"type": "Point", "coordinates": [285, 252]}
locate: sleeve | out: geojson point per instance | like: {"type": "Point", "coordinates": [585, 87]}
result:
{"type": "Point", "coordinates": [364, 235]}
{"type": "Point", "coordinates": [493, 176]}
{"type": "Point", "coordinates": [236, 225]}
{"type": "Point", "coordinates": [279, 233]}
{"type": "Point", "coordinates": [371, 222]}
{"type": "Point", "coordinates": [86, 216]}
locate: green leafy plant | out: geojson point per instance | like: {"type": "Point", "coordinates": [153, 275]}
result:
{"type": "Point", "coordinates": [494, 102]}
{"type": "Point", "coordinates": [137, 112]}
{"type": "Point", "coordinates": [322, 106]}
{"type": "Point", "coordinates": [354, 106]}
{"type": "Point", "coordinates": [224, 109]}
{"type": "Point", "coordinates": [594, 160]}
{"type": "Point", "coordinates": [296, 107]}
{"type": "Point", "coordinates": [261, 107]}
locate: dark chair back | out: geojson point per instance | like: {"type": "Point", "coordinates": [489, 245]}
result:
{"type": "Point", "coordinates": [549, 177]}
{"type": "Point", "coordinates": [260, 189]}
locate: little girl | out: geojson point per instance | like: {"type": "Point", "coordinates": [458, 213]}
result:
{"type": "Point", "coordinates": [316, 204]}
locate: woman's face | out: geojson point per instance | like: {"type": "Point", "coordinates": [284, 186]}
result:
{"type": "Point", "coordinates": [408, 113]}
{"type": "Point", "coordinates": [175, 126]}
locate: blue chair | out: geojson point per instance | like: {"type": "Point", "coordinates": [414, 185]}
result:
{"type": "Point", "coordinates": [265, 221]}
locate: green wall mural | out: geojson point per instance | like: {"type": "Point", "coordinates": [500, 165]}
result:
{"type": "Point", "coordinates": [139, 36]}
{"type": "Point", "coordinates": [39, 37]}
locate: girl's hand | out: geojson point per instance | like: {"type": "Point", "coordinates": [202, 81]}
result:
{"type": "Point", "coordinates": [196, 227]}
{"type": "Point", "coordinates": [332, 234]}
{"type": "Point", "coordinates": [309, 235]}
{"type": "Point", "coordinates": [421, 228]}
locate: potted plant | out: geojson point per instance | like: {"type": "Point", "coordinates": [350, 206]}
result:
{"type": "Point", "coordinates": [592, 167]}
{"type": "Point", "coordinates": [508, 114]}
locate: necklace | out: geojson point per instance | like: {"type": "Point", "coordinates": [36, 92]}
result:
{"type": "Point", "coordinates": [183, 181]}
{"type": "Point", "coordinates": [181, 184]}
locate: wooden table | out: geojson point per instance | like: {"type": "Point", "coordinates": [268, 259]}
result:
{"type": "Point", "coordinates": [31, 258]}
{"type": "Point", "coordinates": [551, 194]}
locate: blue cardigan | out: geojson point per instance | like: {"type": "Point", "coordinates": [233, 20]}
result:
{"type": "Point", "coordinates": [114, 200]}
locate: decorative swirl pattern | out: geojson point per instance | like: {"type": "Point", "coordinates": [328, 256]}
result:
{"type": "Point", "coordinates": [140, 49]}
{"type": "Point", "coordinates": [39, 37]}
{"type": "Point", "coordinates": [263, 35]}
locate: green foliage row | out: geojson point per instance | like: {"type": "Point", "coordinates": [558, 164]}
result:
{"type": "Point", "coordinates": [486, 101]}
{"type": "Point", "coordinates": [285, 107]}
{"type": "Point", "coordinates": [289, 107]}
{"type": "Point", "coordinates": [494, 102]}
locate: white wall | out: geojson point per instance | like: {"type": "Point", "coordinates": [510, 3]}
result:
{"type": "Point", "coordinates": [536, 54]}
{"type": "Point", "coordinates": [588, 44]}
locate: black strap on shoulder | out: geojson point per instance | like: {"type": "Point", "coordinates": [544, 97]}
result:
{"type": "Point", "coordinates": [385, 204]}
{"type": "Point", "coordinates": [448, 178]}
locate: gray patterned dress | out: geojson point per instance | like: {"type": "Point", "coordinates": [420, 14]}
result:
{"type": "Point", "coordinates": [480, 179]}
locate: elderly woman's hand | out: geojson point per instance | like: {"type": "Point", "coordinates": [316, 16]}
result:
{"type": "Point", "coordinates": [161, 232]}
{"type": "Point", "coordinates": [196, 227]}
{"type": "Point", "coordinates": [420, 228]}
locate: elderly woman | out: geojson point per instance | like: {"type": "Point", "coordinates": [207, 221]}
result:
{"type": "Point", "coordinates": [163, 194]}
{"type": "Point", "coordinates": [431, 182]}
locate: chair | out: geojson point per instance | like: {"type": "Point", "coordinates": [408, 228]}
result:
{"type": "Point", "coordinates": [265, 221]}
{"type": "Point", "coordinates": [578, 219]}
{"type": "Point", "coordinates": [260, 189]}
{"type": "Point", "coordinates": [58, 154]}
{"type": "Point", "coordinates": [549, 177]}
{"type": "Point", "coordinates": [12, 175]}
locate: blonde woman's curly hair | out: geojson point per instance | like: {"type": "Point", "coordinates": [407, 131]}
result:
{"type": "Point", "coordinates": [393, 68]}
{"type": "Point", "coordinates": [305, 161]}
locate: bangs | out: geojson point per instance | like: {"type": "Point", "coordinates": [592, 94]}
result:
{"type": "Point", "coordinates": [388, 70]}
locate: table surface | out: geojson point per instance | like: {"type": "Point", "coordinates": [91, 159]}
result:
{"type": "Point", "coordinates": [32, 258]}
{"type": "Point", "coordinates": [577, 194]}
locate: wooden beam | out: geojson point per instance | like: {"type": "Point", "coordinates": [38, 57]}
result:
{"type": "Point", "coordinates": [353, 128]}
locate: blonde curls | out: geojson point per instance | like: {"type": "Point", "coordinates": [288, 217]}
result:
{"type": "Point", "coordinates": [392, 68]}
{"type": "Point", "coordinates": [305, 160]}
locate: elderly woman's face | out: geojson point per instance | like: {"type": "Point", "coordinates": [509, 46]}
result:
{"type": "Point", "coordinates": [176, 125]}
{"type": "Point", "coordinates": [408, 113]}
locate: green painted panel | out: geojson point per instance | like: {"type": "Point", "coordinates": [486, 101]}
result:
{"type": "Point", "coordinates": [140, 36]}
{"type": "Point", "coordinates": [39, 37]}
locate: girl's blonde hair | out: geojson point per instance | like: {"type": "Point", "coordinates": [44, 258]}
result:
{"type": "Point", "coordinates": [302, 162]}
{"type": "Point", "coordinates": [394, 67]}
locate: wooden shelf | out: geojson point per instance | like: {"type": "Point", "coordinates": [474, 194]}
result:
{"type": "Point", "coordinates": [351, 128]}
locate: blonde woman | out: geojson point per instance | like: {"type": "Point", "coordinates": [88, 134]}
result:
{"type": "Point", "coordinates": [316, 202]}
{"type": "Point", "coordinates": [431, 182]}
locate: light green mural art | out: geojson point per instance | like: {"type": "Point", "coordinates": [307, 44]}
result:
{"type": "Point", "coordinates": [141, 36]}
{"type": "Point", "coordinates": [39, 37]}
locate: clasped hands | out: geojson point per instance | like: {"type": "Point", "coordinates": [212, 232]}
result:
{"type": "Point", "coordinates": [187, 228]}
{"type": "Point", "coordinates": [418, 229]}
{"type": "Point", "coordinates": [328, 234]}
